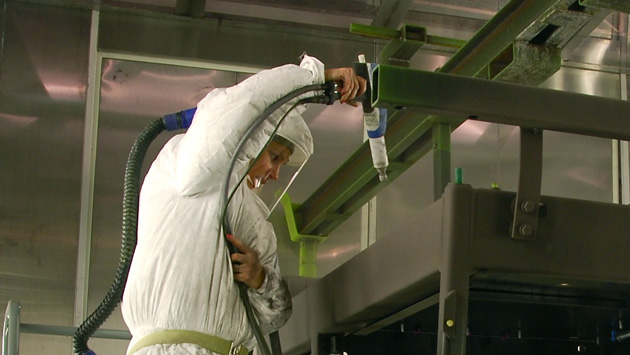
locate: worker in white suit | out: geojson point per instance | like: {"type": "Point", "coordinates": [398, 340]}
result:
{"type": "Point", "coordinates": [181, 296]}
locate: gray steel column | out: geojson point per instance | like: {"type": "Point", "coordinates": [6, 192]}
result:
{"type": "Point", "coordinates": [441, 136]}
{"type": "Point", "coordinates": [454, 270]}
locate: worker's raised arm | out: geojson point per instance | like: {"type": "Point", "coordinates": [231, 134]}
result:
{"type": "Point", "coordinates": [225, 114]}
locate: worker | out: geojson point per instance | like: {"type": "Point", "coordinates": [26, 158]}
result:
{"type": "Point", "coordinates": [181, 296]}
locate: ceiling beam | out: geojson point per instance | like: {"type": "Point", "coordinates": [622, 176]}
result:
{"type": "Point", "coordinates": [391, 13]}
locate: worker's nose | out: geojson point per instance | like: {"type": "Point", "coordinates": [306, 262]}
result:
{"type": "Point", "coordinates": [275, 172]}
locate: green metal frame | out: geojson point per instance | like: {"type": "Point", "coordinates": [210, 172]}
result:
{"type": "Point", "coordinates": [410, 135]}
{"type": "Point", "coordinates": [407, 32]}
{"type": "Point", "coordinates": [404, 42]}
{"type": "Point", "coordinates": [525, 63]}
{"type": "Point", "coordinates": [308, 243]}
{"type": "Point", "coordinates": [504, 103]}
{"type": "Point", "coordinates": [617, 5]}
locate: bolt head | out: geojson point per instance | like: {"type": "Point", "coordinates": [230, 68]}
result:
{"type": "Point", "coordinates": [526, 230]}
{"type": "Point", "coordinates": [528, 206]}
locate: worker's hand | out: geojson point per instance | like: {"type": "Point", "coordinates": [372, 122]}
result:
{"type": "Point", "coordinates": [246, 265]}
{"type": "Point", "coordinates": [351, 84]}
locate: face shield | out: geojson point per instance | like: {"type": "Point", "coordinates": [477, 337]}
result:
{"type": "Point", "coordinates": [271, 175]}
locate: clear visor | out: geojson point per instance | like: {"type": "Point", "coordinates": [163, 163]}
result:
{"type": "Point", "coordinates": [273, 186]}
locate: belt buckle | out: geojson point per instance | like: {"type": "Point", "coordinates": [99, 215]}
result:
{"type": "Point", "coordinates": [235, 350]}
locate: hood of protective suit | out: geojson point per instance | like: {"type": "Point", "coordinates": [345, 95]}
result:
{"type": "Point", "coordinates": [295, 130]}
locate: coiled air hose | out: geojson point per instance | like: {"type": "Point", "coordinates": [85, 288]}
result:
{"type": "Point", "coordinates": [130, 214]}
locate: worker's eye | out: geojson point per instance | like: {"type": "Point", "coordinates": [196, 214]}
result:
{"type": "Point", "coordinates": [277, 157]}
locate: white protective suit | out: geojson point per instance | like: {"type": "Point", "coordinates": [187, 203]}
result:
{"type": "Point", "coordinates": [181, 277]}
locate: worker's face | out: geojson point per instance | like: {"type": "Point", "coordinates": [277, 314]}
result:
{"type": "Point", "coordinates": [268, 164]}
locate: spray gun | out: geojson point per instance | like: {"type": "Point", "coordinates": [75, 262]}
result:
{"type": "Point", "coordinates": [375, 121]}
{"type": "Point", "coordinates": [375, 118]}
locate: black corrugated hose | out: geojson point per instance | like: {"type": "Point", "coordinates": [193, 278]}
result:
{"type": "Point", "coordinates": [129, 238]}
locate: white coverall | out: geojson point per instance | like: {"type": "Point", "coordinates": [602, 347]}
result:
{"type": "Point", "coordinates": [181, 277]}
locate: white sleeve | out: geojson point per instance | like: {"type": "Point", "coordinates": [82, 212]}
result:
{"type": "Point", "coordinates": [272, 301]}
{"type": "Point", "coordinates": [223, 117]}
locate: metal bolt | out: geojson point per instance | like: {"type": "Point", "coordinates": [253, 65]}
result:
{"type": "Point", "coordinates": [525, 230]}
{"type": "Point", "coordinates": [528, 206]}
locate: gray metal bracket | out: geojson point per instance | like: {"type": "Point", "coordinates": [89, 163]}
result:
{"type": "Point", "coordinates": [527, 201]}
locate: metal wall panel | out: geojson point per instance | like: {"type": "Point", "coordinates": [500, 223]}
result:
{"type": "Point", "coordinates": [43, 73]}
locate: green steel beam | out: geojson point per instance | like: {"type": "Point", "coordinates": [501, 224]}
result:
{"type": "Point", "coordinates": [498, 102]}
{"type": "Point", "coordinates": [376, 32]}
{"type": "Point", "coordinates": [404, 42]}
{"type": "Point", "coordinates": [525, 63]}
{"type": "Point", "coordinates": [406, 32]}
{"type": "Point", "coordinates": [410, 134]}
{"type": "Point", "coordinates": [617, 5]}
{"type": "Point", "coordinates": [401, 49]}
{"type": "Point", "coordinates": [349, 188]}
{"type": "Point", "coordinates": [496, 35]}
